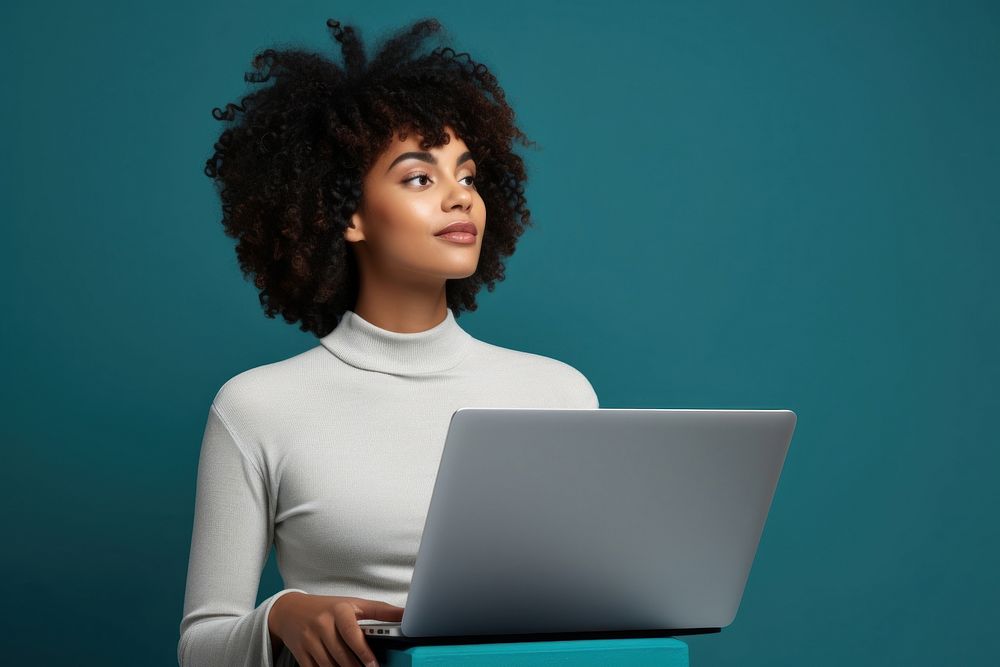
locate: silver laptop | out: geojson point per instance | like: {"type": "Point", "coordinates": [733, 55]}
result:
{"type": "Point", "coordinates": [592, 523]}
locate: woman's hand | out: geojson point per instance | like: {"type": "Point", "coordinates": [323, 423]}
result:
{"type": "Point", "coordinates": [323, 630]}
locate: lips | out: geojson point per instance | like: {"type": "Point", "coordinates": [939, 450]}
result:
{"type": "Point", "coordinates": [463, 226]}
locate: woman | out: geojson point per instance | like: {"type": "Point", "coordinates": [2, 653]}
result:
{"type": "Point", "coordinates": [344, 188]}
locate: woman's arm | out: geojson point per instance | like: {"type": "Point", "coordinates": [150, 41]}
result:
{"type": "Point", "coordinates": [232, 536]}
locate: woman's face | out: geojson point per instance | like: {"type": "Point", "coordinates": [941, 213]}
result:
{"type": "Point", "coordinates": [410, 195]}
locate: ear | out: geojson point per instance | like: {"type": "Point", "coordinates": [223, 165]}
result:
{"type": "Point", "coordinates": [355, 233]}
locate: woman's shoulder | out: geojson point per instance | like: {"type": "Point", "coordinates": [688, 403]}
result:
{"type": "Point", "coordinates": [538, 368]}
{"type": "Point", "coordinates": [271, 384]}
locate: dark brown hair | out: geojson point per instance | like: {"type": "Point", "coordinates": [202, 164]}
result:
{"type": "Point", "coordinates": [289, 165]}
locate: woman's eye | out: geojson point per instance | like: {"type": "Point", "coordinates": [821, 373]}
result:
{"type": "Point", "coordinates": [425, 176]}
{"type": "Point", "coordinates": [413, 178]}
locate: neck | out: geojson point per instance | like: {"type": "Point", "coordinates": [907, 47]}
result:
{"type": "Point", "coordinates": [402, 301]}
{"type": "Point", "coordinates": [405, 317]}
{"type": "Point", "coordinates": [366, 345]}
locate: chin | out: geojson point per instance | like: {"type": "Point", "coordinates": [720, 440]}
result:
{"type": "Point", "coordinates": [462, 274]}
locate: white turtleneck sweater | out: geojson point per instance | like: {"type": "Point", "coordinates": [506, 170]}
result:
{"type": "Point", "coordinates": [331, 456]}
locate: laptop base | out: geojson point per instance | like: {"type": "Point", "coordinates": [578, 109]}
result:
{"type": "Point", "coordinates": [539, 637]}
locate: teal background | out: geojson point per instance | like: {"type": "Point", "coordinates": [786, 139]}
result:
{"type": "Point", "coordinates": [749, 205]}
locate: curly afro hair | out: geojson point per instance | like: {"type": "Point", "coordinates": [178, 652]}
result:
{"type": "Point", "coordinates": [290, 163]}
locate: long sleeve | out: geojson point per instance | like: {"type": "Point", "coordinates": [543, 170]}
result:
{"type": "Point", "coordinates": [232, 535]}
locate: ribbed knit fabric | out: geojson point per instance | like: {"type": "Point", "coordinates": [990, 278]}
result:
{"type": "Point", "coordinates": [331, 456]}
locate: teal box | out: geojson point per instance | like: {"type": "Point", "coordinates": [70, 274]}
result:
{"type": "Point", "coordinates": [637, 652]}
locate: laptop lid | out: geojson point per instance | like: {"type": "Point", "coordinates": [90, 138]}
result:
{"type": "Point", "coordinates": [589, 520]}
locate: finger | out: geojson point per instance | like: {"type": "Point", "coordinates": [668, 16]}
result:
{"type": "Point", "coordinates": [336, 649]}
{"type": "Point", "coordinates": [303, 659]}
{"type": "Point", "coordinates": [319, 655]}
{"type": "Point", "coordinates": [350, 632]}
{"type": "Point", "coordinates": [379, 611]}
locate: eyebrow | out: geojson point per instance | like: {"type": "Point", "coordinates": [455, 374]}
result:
{"type": "Point", "coordinates": [427, 157]}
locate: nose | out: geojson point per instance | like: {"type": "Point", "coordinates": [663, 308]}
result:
{"type": "Point", "coordinates": [458, 195]}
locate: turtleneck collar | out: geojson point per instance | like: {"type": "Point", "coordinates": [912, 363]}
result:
{"type": "Point", "coordinates": [362, 344]}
